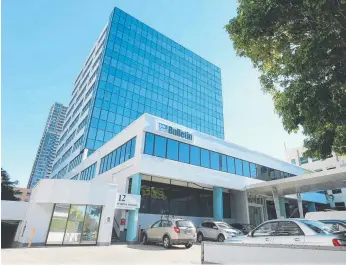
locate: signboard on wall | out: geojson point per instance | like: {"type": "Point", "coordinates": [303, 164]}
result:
{"type": "Point", "coordinates": [174, 131]}
{"type": "Point", "coordinates": [128, 201]}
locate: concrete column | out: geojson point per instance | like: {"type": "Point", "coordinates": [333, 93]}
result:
{"type": "Point", "coordinates": [279, 203]}
{"type": "Point", "coordinates": [217, 203]}
{"type": "Point", "coordinates": [300, 205]}
{"type": "Point", "coordinates": [132, 225]}
{"type": "Point", "coordinates": [311, 207]}
{"type": "Point", "coordinates": [282, 207]}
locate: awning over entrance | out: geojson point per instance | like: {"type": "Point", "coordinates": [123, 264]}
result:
{"type": "Point", "coordinates": [317, 181]}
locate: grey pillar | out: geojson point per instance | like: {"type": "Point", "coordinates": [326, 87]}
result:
{"type": "Point", "coordinates": [300, 205]}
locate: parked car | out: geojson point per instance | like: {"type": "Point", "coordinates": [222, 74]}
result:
{"type": "Point", "coordinates": [215, 230]}
{"type": "Point", "coordinates": [171, 231]}
{"type": "Point", "coordinates": [293, 232]}
{"type": "Point", "coordinates": [245, 228]}
{"type": "Point", "coordinates": [338, 225]}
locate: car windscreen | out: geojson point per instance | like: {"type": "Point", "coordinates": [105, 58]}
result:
{"type": "Point", "coordinates": [185, 223]}
{"type": "Point", "coordinates": [318, 227]}
{"type": "Point", "coordinates": [223, 226]}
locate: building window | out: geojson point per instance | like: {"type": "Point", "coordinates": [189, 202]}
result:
{"type": "Point", "coordinates": [172, 149]}
{"type": "Point", "coordinates": [195, 155]}
{"type": "Point", "coordinates": [224, 163]}
{"type": "Point", "coordinates": [318, 170]}
{"type": "Point", "coordinates": [336, 191]}
{"type": "Point", "coordinates": [293, 161]}
{"type": "Point", "coordinates": [246, 169]}
{"type": "Point", "coordinates": [118, 156]}
{"type": "Point", "coordinates": [160, 146]}
{"type": "Point", "coordinates": [149, 144]}
{"type": "Point", "coordinates": [253, 170]}
{"type": "Point", "coordinates": [230, 165]}
{"type": "Point", "coordinates": [205, 162]}
{"type": "Point", "coordinates": [214, 160]}
{"type": "Point", "coordinates": [303, 160]}
{"type": "Point", "coordinates": [184, 152]}
{"type": "Point", "coordinates": [315, 159]}
{"type": "Point", "coordinates": [88, 173]}
{"type": "Point", "coordinates": [238, 167]}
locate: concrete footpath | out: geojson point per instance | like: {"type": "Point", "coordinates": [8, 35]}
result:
{"type": "Point", "coordinates": [115, 254]}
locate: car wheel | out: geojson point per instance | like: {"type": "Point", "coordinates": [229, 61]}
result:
{"type": "Point", "coordinates": [166, 242]}
{"type": "Point", "coordinates": [220, 238]}
{"type": "Point", "coordinates": [199, 237]}
{"type": "Point", "coordinates": [145, 239]}
{"type": "Point", "coordinates": [188, 245]}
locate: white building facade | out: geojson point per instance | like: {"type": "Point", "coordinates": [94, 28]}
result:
{"type": "Point", "coordinates": [295, 156]}
{"type": "Point", "coordinates": [184, 172]}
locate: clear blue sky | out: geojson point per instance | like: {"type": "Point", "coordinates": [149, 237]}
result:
{"type": "Point", "coordinates": [45, 43]}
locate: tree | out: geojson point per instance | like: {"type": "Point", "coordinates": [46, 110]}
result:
{"type": "Point", "coordinates": [299, 48]}
{"type": "Point", "coordinates": [7, 186]}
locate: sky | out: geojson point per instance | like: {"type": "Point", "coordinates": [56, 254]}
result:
{"type": "Point", "coordinates": [45, 43]}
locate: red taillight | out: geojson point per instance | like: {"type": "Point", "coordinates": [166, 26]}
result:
{"type": "Point", "coordinates": [338, 242]}
{"type": "Point", "coordinates": [176, 229]}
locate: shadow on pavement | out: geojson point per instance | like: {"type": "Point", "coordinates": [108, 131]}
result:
{"type": "Point", "coordinates": [154, 247]}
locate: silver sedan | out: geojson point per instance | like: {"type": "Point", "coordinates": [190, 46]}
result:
{"type": "Point", "coordinates": [293, 232]}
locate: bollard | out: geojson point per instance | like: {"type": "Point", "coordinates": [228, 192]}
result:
{"type": "Point", "coordinates": [31, 237]}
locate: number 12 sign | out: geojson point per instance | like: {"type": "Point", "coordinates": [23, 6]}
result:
{"type": "Point", "coordinates": [128, 201]}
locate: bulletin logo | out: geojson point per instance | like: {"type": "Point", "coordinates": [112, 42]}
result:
{"type": "Point", "coordinates": [174, 131]}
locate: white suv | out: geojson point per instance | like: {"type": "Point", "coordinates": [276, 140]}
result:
{"type": "Point", "coordinates": [171, 231]}
{"type": "Point", "coordinates": [215, 230]}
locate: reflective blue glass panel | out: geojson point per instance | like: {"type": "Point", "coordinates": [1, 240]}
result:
{"type": "Point", "coordinates": [195, 155]}
{"type": "Point", "coordinates": [160, 146]}
{"type": "Point", "coordinates": [172, 149]}
{"type": "Point", "coordinates": [214, 160]}
{"type": "Point", "coordinates": [184, 152]}
{"type": "Point", "coordinates": [239, 167]}
{"type": "Point", "coordinates": [205, 162]}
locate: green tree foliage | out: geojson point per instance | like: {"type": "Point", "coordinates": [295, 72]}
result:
{"type": "Point", "coordinates": [7, 186]}
{"type": "Point", "coordinates": [299, 48]}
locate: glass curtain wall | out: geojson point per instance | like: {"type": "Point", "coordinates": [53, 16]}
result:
{"type": "Point", "coordinates": [74, 224]}
{"type": "Point", "coordinates": [163, 147]}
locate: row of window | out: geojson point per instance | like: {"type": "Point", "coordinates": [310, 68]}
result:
{"type": "Point", "coordinates": [174, 150]}
{"type": "Point", "coordinates": [88, 173]}
{"type": "Point", "coordinates": [66, 155]}
{"type": "Point", "coordinates": [77, 143]}
{"type": "Point", "coordinates": [75, 162]}
{"type": "Point", "coordinates": [118, 156]}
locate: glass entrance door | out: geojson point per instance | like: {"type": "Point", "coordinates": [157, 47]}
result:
{"type": "Point", "coordinates": [74, 224]}
{"type": "Point", "coordinates": [256, 215]}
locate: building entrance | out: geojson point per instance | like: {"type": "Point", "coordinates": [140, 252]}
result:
{"type": "Point", "coordinates": [255, 214]}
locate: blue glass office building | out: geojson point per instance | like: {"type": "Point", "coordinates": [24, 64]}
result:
{"type": "Point", "coordinates": [133, 69]}
{"type": "Point", "coordinates": [143, 71]}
